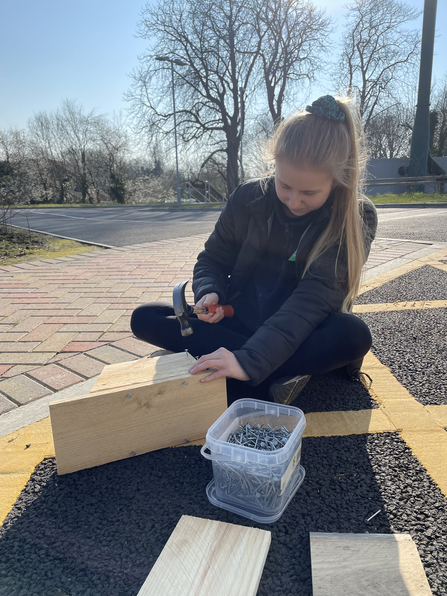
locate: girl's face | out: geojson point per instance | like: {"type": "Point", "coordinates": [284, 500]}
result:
{"type": "Point", "coordinates": [301, 190]}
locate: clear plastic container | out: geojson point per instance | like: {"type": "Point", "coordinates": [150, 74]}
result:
{"type": "Point", "coordinates": [253, 483]}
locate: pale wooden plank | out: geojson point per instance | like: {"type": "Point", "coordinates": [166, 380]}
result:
{"type": "Point", "coordinates": [107, 426]}
{"type": "Point", "coordinates": [209, 558]}
{"type": "Point", "coordinates": [366, 565]}
{"type": "Point", "coordinates": [157, 370]}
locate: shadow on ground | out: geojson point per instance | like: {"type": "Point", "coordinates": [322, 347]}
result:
{"type": "Point", "coordinates": [98, 532]}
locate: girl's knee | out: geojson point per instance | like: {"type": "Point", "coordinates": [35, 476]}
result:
{"type": "Point", "coordinates": [149, 319]}
{"type": "Point", "coordinates": [141, 317]}
{"type": "Point", "coordinates": [136, 318]}
{"type": "Point", "coordinates": [360, 335]}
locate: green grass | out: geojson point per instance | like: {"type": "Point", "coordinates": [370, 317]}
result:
{"type": "Point", "coordinates": [21, 246]}
{"type": "Point", "coordinates": [417, 197]}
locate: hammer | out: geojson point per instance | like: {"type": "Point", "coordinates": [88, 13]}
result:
{"type": "Point", "coordinates": [183, 310]}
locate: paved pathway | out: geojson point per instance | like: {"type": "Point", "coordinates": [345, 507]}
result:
{"type": "Point", "coordinates": [63, 319]}
{"type": "Point", "coordinates": [412, 496]}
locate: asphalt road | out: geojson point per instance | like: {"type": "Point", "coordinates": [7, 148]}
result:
{"type": "Point", "coordinates": [116, 226]}
{"type": "Point", "coordinates": [125, 226]}
{"type": "Point", "coordinates": [413, 224]}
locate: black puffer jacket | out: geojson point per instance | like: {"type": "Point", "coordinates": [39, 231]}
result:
{"type": "Point", "coordinates": [235, 248]}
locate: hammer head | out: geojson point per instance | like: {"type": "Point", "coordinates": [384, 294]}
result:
{"type": "Point", "coordinates": [182, 309]}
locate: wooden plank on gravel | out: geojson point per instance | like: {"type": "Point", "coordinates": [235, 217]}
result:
{"type": "Point", "coordinates": [366, 565]}
{"type": "Point", "coordinates": [209, 558]}
{"type": "Point", "coordinates": [172, 407]}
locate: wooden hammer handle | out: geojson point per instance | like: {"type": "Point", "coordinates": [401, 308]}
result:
{"type": "Point", "coordinates": [227, 308]}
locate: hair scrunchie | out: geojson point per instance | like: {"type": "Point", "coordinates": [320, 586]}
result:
{"type": "Point", "coordinates": [326, 106]}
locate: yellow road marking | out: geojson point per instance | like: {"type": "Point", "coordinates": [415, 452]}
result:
{"type": "Point", "coordinates": [421, 427]}
{"type": "Point", "coordinates": [379, 280]}
{"type": "Point", "coordinates": [337, 424]}
{"type": "Point", "coordinates": [21, 451]}
{"type": "Point", "coordinates": [441, 266]}
{"type": "Point", "coordinates": [393, 306]}
{"type": "Point", "coordinates": [439, 413]}
{"type": "Point", "coordinates": [430, 448]}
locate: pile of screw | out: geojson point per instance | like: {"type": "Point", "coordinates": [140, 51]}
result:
{"type": "Point", "coordinates": [260, 437]}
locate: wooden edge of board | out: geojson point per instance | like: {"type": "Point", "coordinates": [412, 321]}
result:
{"type": "Point", "coordinates": [170, 367]}
{"type": "Point", "coordinates": [336, 536]}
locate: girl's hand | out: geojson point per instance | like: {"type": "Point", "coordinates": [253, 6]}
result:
{"type": "Point", "coordinates": [225, 363]}
{"type": "Point", "coordinates": [207, 300]}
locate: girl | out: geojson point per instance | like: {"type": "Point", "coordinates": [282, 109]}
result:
{"type": "Point", "coordinates": [287, 254]}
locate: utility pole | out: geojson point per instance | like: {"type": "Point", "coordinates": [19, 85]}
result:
{"type": "Point", "coordinates": [241, 91]}
{"type": "Point", "coordinates": [179, 63]}
{"type": "Point", "coordinates": [421, 131]}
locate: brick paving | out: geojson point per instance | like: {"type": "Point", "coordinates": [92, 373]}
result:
{"type": "Point", "coordinates": [63, 319]}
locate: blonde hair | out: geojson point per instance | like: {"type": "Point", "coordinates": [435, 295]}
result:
{"type": "Point", "coordinates": [316, 142]}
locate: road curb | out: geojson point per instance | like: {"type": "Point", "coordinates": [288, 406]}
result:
{"type": "Point", "coordinates": [65, 237]}
{"type": "Point", "coordinates": [410, 205]}
{"type": "Point", "coordinates": [22, 416]}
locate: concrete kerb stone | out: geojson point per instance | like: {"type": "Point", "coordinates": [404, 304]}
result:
{"type": "Point", "coordinates": [411, 205]}
{"type": "Point", "coordinates": [37, 410]}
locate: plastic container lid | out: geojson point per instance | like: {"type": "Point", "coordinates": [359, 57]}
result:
{"type": "Point", "coordinates": [243, 410]}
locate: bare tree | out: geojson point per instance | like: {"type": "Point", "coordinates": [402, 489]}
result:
{"type": "Point", "coordinates": [216, 40]}
{"type": "Point", "coordinates": [439, 137]}
{"type": "Point", "coordinates": [222, 43]}
{"type": "Point", "coordinates": [389, 132]}
{"type": "Point", "coordinates": [70, 146]}
{"type": "Point", "coordinates": [293, 38]}
{"type": "Point", "coordinates": [76, 135]}
{"type": "Point", "coordinates": [378, 50]}
{"type": "Point", "coordinates": [50, 175]}
{"type": "Point", "coordinates": [15, 184]}
{"type": "Point", "coordinates": [113, 150]}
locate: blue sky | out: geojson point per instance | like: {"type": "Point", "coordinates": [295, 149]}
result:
{"type": "Point", "coordinates": [84, 50]}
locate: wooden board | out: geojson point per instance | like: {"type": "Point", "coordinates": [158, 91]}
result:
{"type": "Point", "coordinates": [209, 558]}
{"type": "Point", "coordinates": [153, 370]}
{"type": "Point", "coordinates": [366, 565]}
{"type": "Point", "coordinates": [107, 426]}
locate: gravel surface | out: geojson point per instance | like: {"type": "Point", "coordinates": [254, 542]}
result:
{"type": "Point", "coordinates": [334, 391]}
{"type": "Point", "coordinates": [98, 532]}
{"type": "Point", "coordinates": [412, 344]}
{"type": "Point", "coordinates": [426, 283]}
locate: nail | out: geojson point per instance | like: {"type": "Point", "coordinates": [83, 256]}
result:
{"type": "Point", "coordinates": [373, 515]}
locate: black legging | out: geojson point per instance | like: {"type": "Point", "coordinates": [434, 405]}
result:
{"type": "Point", "coordinates": [340, 340]}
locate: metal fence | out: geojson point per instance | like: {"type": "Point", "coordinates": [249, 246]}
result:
{"type": "Point", "coordinates": [203, 192]}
